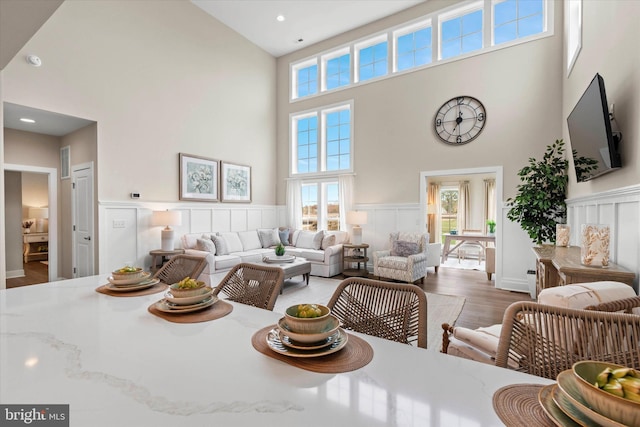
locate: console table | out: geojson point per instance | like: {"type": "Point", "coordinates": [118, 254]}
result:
{"type": "Point", "coordinates": [36, 245]}
{"type": "Point", "coordinates": [557, 266]}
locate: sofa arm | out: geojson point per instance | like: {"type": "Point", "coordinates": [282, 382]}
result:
{"type": "Point", "coordinates": [332, 250]}
{"type": "Point", "coordinates": [202, 254]}
{"type": "Point", "coordinates": [416, 259]}
{"type": "Point", "coordinates": [379, 254]}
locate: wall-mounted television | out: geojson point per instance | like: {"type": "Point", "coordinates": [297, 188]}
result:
{"type": "Point", "coordinates": [594, 134]}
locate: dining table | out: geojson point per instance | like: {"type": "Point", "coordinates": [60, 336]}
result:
{"type": "Point", "coordinates": [115, 363]}
{"type": "Point", "coordinates": [482, 239]}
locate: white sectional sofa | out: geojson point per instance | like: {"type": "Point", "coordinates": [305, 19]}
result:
{"type": "Point", "coordinates": [224, 250]}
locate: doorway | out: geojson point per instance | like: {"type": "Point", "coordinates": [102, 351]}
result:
{"type": "Point", "coordinates": [427, 215]}
{"type": "Point", "coordinates": [82, 220]}
{"type": "Point", "coordinates": [52, 190]}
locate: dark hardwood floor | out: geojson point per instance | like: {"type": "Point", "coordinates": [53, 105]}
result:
{"type": "Point", "coordinates": [35, 272]}
{"type": "Point", "coordinates": [484, 304]}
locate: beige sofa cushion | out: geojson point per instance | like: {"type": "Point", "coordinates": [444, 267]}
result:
{"type": "Point", "coordinates": [269, 237]}
{"type": "Point", "coordinates": [234, 244]}
{"type": "Point", "coordinates": [581, 295]}
{"type": "Point", "coordinates": [309, 239]}
{"type": "Point", "coordinates": [206, 245]}
{"type": "Point", "coordinates": [249, 240]}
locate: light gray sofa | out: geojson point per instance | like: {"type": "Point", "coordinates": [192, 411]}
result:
{"type": "Point", "coordinates": [223, 250]}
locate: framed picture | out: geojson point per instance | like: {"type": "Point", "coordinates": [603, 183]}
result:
{"type": "Point", "coordinates": [198, 178]}
{"type": "Point", "coordinates": [236, 182]}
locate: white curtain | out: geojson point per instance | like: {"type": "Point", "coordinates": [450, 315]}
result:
{"type": "Point", "coordinates": [463, 205]}
{"type": "Point", "coordinates": [345, 198]}
{"type": "Point", "coordinates": [489, 200]}
{"type": "Point", "coordinates": [434, 219]}
{"type": "Point", "coordinates": [294, 203]}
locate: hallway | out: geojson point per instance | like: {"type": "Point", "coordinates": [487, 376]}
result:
{"type": "Point", "coordinates": [35, 272]}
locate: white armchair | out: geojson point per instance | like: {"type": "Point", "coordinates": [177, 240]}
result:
{"type": "Point", "coordinates": [409, 257]}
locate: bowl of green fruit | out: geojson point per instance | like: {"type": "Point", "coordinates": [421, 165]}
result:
{"type": "Point", "coordinates": [187, 287]}
{"type": "Point", "coordinates": [307, 318]}
{"type": "Point", "coordinates": [611, 390]}
{"type": "Point", "coordinates": [127, 273]}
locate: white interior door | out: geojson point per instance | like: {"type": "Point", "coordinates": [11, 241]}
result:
{"type": "Point", "coordinates": [82, 211]}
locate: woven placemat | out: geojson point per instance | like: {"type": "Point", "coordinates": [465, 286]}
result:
{"type": "Point", "coordinates": [216, 311]}
{"type": "Point", "coordinates": [355, 354]}
{"type": "Point", "coordinates": [518, 405]}
{"type": "Point", "coordinates": [158, 287]}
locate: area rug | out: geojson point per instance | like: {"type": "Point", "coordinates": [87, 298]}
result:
{"type": "Point", "coordinates": [463, 264]}
{"type": "Point", "coordinates": [440, 308]}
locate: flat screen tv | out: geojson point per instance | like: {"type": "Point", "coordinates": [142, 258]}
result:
{"type": "Point", "coordinates": [593, 134]}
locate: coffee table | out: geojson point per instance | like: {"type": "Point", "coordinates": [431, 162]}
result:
{"type": "Point", "coordinates": [297, 267]}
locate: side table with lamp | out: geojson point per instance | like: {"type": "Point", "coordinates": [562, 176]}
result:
{"type": "Point", "coordinates": [165, 218]}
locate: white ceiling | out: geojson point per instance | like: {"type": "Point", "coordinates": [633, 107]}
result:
{"type": "Point", "coordinates": [309, 20]}
{"type": "Point", "coordinates": [46, 122]}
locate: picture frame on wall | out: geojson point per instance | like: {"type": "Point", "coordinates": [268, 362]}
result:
{"type": "Point", "coordinates": [199, 178]}
{"type": "Point", "coordinates": [235, 182]}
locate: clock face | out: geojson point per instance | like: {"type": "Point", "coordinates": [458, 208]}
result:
{"type": "Point", "coordinates": [460, 120]}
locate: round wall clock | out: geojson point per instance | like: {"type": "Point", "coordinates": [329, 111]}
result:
{"type": "Point", "coordinates": [460, 120]}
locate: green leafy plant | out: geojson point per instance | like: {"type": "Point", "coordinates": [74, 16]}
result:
{"type": "Point", "coordinates": [492, 226]}
{"type": "Point", "coordinates": [280, 249]}
{"type": "Point", "coordinates": [540, 202]}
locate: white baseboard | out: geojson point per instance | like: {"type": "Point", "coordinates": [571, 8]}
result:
{"type": "Point", "coordinates": [15, 273]}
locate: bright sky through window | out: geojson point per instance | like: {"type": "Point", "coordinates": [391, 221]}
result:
{"type": "Point", "coordinates": [307, 81]}
{"type": "Point", "coordinates": [338, 72]}
{"type": "Point", "coordinates": [414, 49]}
{"type": "Point", "coordinates": [515, 19]}
{"type": "Point", "coordinates": [338, 140]}
{"type": "Point", "coordinates": [373, 61]}
{"type": "Point", "coordinates": [307, 137]}
{"type": "Point", "coordinates": [462, 34]}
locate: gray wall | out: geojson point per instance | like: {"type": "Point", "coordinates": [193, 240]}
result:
{"type": "Point", "coordinates": [13, 222]}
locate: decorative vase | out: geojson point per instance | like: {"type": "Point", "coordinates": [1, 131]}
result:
{"type": "Point", "coordinates": [563, 232]}
{"type": "Point", "coordinates": [27, 230]}
{"type": "Point", "coordinates": [594, 250]}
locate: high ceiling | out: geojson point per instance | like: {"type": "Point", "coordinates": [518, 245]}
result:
{"type": "Point", "coordinates": [308, 20]}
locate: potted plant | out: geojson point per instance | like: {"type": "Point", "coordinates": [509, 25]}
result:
{"type": "Point", "coordinates": [280, 249]}
{"type": "Point", "coordinates": [540, 202]}
{"type": "Point", "coordinates": [27, 226]}
{"type": "Point", "coordinates": [492, 226]}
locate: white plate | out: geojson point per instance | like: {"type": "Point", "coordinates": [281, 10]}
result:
{"type": "Point", "coordinates": [188, 300]}
{"type": "Point", "coordinates": [145, 276]}
{"type": "Point", "coordinates": [164, 305]}
{"type": "Point", "coordinates": [284, 339]}
{"type": "Point", "coordinates": [273, 341]}
{"type": "Point", "coordinates": [130, 288]}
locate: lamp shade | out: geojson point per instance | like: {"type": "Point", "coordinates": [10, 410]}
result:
{"type": "Point", "coordinates": [356, 217]}
{"type": "Point", "coordinates": [167, 218]}
{"type": "Point", "coordinates": [39, 213]}
{"type": "Point", "coordinates": [431, 209]}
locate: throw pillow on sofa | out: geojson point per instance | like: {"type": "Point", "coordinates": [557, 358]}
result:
{"type": "Point", "coordinates": [221, 245]}
{"type": "Point", "coordinates": [284, 236]}
{"type": "Point", "coordinates": [206, 245]}
{"type": "Point", "coordinates": [269, 237]}
{"type": "Point", "coordinates": [250, 240]}
{"type": "Point", "coordinates": [328, 240]}
{"type": "Point", "coordinates": [309, 239]}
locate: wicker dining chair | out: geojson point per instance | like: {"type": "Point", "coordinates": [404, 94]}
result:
{"type": "Point", "coordinates": [180, 266]}
{"type": "Point", "coordinates": [544, 340]}
{"type": "Point", "coordinates": [394, 311]}
{"type": "Point", "coordinates": [252, 284]}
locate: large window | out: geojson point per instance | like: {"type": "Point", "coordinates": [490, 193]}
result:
{"type": "Point", "coordinates": [413, 48]}
{"type": "Point", "coordinates": [320, 206]}
{"type": "Point", "coordinates": [371, 58]}
{"type": "Point", "coordinates": [513, 19]}
{"type": "Point", "coordinates": [305, 79]}
{"type": "Point", "coordinates": [461, 34]}
{"type": "Point", "coordinates": [322, 141]}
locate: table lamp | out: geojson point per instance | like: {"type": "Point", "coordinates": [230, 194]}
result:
{"type": "Point", "coordinates": [357, 218]}
{"type": "Point", "coordinates": [167, 218]}
{"type": "Point", "coordinates": [39, 214]}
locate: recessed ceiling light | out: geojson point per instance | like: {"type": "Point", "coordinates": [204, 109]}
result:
{"type": "Point", "coordinates": [24, 119]}
{"type": "Point", "coordinates": [280, 18]}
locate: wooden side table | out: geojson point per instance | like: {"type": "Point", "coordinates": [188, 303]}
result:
{"type": "Point", "coordinates": [352, 254]}
{"type": "Point", "coordinates": [36, 246]}
{"type": "Point", "coordinates": [164, 257]}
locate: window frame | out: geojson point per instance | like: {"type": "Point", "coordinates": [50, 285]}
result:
{"type": "Point", "coordinates": [573, 28]}
{"type": "Point", "coordinates": [322, 210]}
{"type": "Point", "coordinates": [517, 40]}
{"type": "Point", "coordinates": [324, 60]}
{"type": "Point", "coordinates": [459, 12]}
{"type": "Point", "coordinates": [408, 29]}
{"type": "Point", "coordinates": [295, 69]}
{"type": "Point", "coordinates": [320, 113]}
{"type": "Point", "coordinates": [370, 42]}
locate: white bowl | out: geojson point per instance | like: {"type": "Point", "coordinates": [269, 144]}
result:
{"type": "Point", "coordinates": [331, 326]}
{"type": "Point", "coordinates": [131, 275]}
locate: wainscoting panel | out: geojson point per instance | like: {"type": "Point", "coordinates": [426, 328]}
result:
{"type": "Point", "coordinates": [620, 209]}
